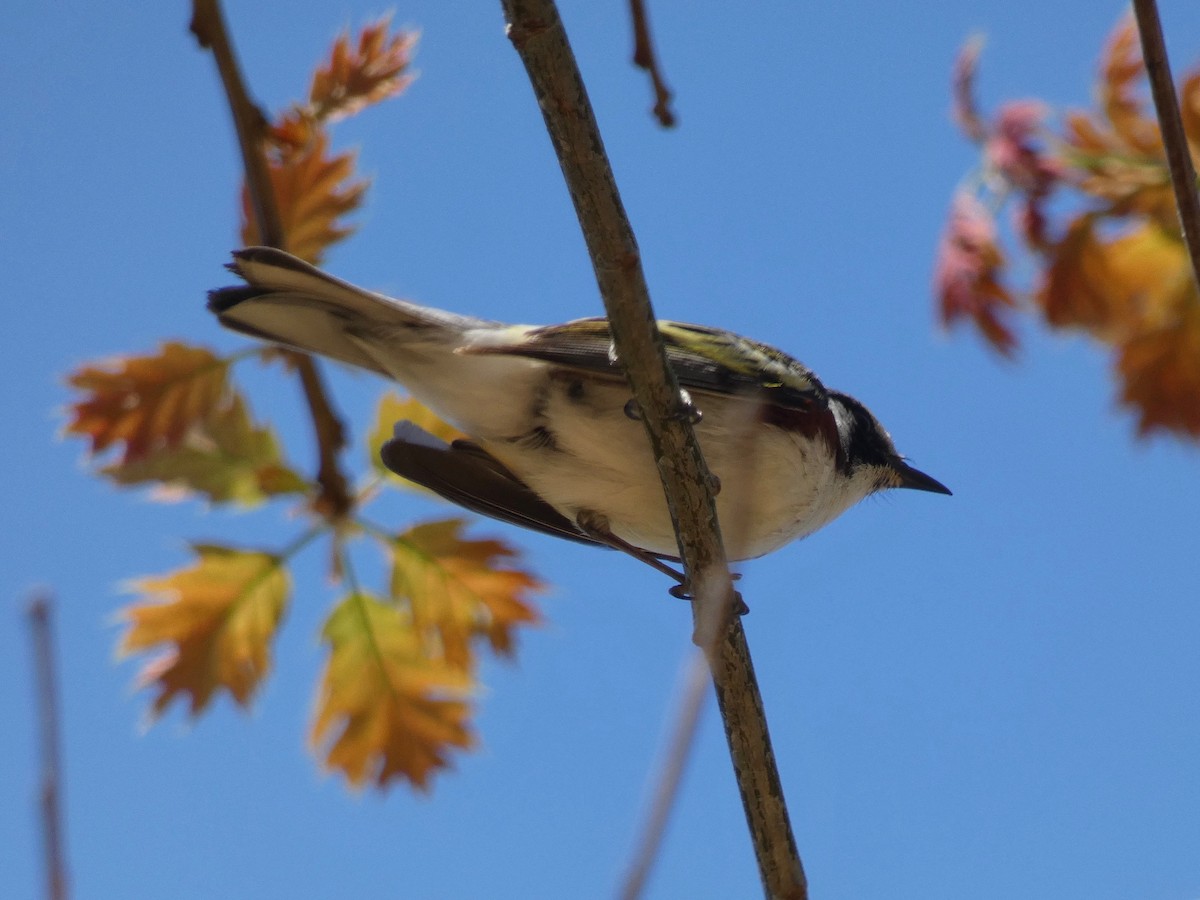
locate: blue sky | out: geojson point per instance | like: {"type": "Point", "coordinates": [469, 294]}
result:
{"type": "Point", "coordinates": [991, 695]}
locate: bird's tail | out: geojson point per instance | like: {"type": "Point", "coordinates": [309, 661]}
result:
{"type": "Point", "coordinates": [287, 301]}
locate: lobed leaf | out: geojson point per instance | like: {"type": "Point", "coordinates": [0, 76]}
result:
{"type": "Point", "coordinates": [313, 191]}
{"type": "Point", "coordinates": [1112, 286]}
{"type": "Point", "coordinates": [458, 590]}
{"type": "Point", "coordinates": [217, 620]}
{"type": "Point", "coordinates": [393, 408]}
{"type": "Point", "coordinates": [967, 274]}
{"type": "Point", "coordinates": [1121, 71]}
{"type": "Point", "coordinates": [1160, 370]}
{"type": "Point", "coordinates": [224, 456]}
{"type": "Point", "coordinates": [146, 403]}
{"type": "Point", "coordinates": [356, 77]}
{"type": "Point", "coordinates": [385, 709]}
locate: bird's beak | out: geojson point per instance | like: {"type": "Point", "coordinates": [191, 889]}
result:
{"type": "Point", "coordinates": [908, 477]}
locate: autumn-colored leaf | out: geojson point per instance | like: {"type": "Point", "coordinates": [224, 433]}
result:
{"type": "Point", "coordinates": [146, 403]}
{"type": "Point", "coordinates": [313, 191]}
{"type": "Point", "coordinates": [385, 708]}
{"type": "Point", "coordinates": [458, 589]}
{"type": "Point", "coordinates": [967, 274]}
{"type": "Point", "coordinates": [1121, 70]}
{"type": "Point", "coordinates": [1117, 156]}
{"type": "Point", "coordinates": [395, 408]}
{"type": "Point", "coordinates": [965, 108]}
{"type": "Point", "coordinates": [224, 456]}
{"type": "Point", "coordinates": [1189, 111]}
{"type": "Point", "coordinates": [217, 620]}
{"type": "Point", "coordinates": [1160, 370]}
{"type": "Point", "coordinates": [1112, 286]}
{"type": "Point", "coordinates": [356, 77]}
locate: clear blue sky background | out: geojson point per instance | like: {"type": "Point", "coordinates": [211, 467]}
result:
{"type": "Point", "coordinates": [992, 695]}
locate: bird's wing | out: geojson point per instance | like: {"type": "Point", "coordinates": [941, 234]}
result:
{"type": "Point", "coordinates": [703, 359]}
{"type": "Point", "coordinates": [466, 474]}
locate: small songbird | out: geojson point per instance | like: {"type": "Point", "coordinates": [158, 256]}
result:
{"type": "Point", "coordinates": [555, 442]}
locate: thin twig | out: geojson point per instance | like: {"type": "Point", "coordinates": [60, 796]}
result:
{"type": "Point", "coordinates": [208, 25]}
{"type": "Point", "coordinates": [536, 31]}
{"type": "Point", "coordinates": [683, 736]}
{"type": "Point", "coordinates": [645, 58]}
{"type": "Point", "coordinates": [1179, 159]}
{"type": "Point", "coordinates": [335, 499]}
{"type": "Point", "coordinates": [50, 800]}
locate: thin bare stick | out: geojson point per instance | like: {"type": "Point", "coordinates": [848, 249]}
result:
{"type": "Point", "coordinates": [536, 32]}
{"type": "Point", "coordinates": [1179, 159]}
{"type": "Point", "coordinates": [48, 718]}
{"type": "Point", "coordinates": [645, 58]}
{"type": "Point", "coordinates": [670, 775]}
{"type": "Point", "coordinates": [208, 25]}
{"type": "Point", "coordinates": [335, 500]}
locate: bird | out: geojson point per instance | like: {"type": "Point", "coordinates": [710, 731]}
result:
{"type": "Point", "coordinates": [553, 438]}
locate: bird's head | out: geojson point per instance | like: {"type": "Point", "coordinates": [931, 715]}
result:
{"type": "Point", "coordinates": [870, 457]}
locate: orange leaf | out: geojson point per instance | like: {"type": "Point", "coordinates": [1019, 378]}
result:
{"type": "Point", "coordinates": [1119, 158]}
{"type": "Point", "coordinates": [385, 709]}
{"type": "Point", "coordinates": [457, 589]}
{"type": "Point", "coordinates": [1112, 287]}
{"type": "Point", "coordinates": [147, 403]}
{"type": "Point", "coordinates": [394, 408]}
{"type": "Point", "coordinates": [355, 78]}
{"type": "Point", "coordinates": [312, 191]}
{"type": "Point", "coordinates": [1121, 68]}
{"type": "Point", "coordinates": [1189, 111]}
{"type": "Point", "coordinates": [1160, 371]}
{"type": "Point", "coordinates": [224, 456]}
{"type": "Point", "coordinates": [216, 618]}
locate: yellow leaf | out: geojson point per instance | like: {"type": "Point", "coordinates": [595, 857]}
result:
{"type": "Point", "coordinates": [313, 190]}
{"type": "Point", "coordinates": [354, 78]}
{"type": "Point", "coordinates": [385, 709]}
{"type": "Point", "coordinates": [394, 408]}
{"type": "Point", "coordinates": [217, 620]}
{"type": "Point", "coordinates": [146, 403]}
{"type": "Point", "coordinates": [457, 589]}
{"type": "Point", "coordinates": [226, 457]}
{"type": "Point", "coordinates": [1160, 368]}
{"type": "Point", "coordinates": [1113, 287]}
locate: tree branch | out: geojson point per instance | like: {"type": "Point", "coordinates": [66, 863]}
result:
{"type": "Point", "coordinates": [1179, 159]}
{"type": "Point", "coordinates": [208, 25]}
{"type": "Point", "coordinates": [49, 718]}
{"type": "Point", "coordinates": [537, 34]}
{"type": "Point", "coordinates": [644, 58]}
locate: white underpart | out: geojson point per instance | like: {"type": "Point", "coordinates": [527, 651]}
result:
{"type": "Point", "coordinates": [775, 486]}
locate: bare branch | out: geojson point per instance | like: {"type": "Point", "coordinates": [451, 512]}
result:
{"type": "Point", "coordinates": [208, 25]}
{"type": "Point", "coordinates": [48, 717]}
{"type": "Point", "coordinates": [644, 58]}
{"type": "Point", "coordinates": [536, 31]}
{"type": "Point", "coordinates": [1179, 159]}
{"type": "Point", "coordinates": [667, 783]}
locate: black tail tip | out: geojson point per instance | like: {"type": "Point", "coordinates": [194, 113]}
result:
{"type": "Point", "coordinates": [224, 299]}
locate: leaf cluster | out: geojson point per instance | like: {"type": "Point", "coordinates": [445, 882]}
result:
{"type": "Point", "coordinates": [396, 695]}
{"type": "Point", "coordinates": [1093, 205]}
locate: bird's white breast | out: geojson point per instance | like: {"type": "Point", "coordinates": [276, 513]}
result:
{"type": "Point", "coordinates": [584, 452]}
